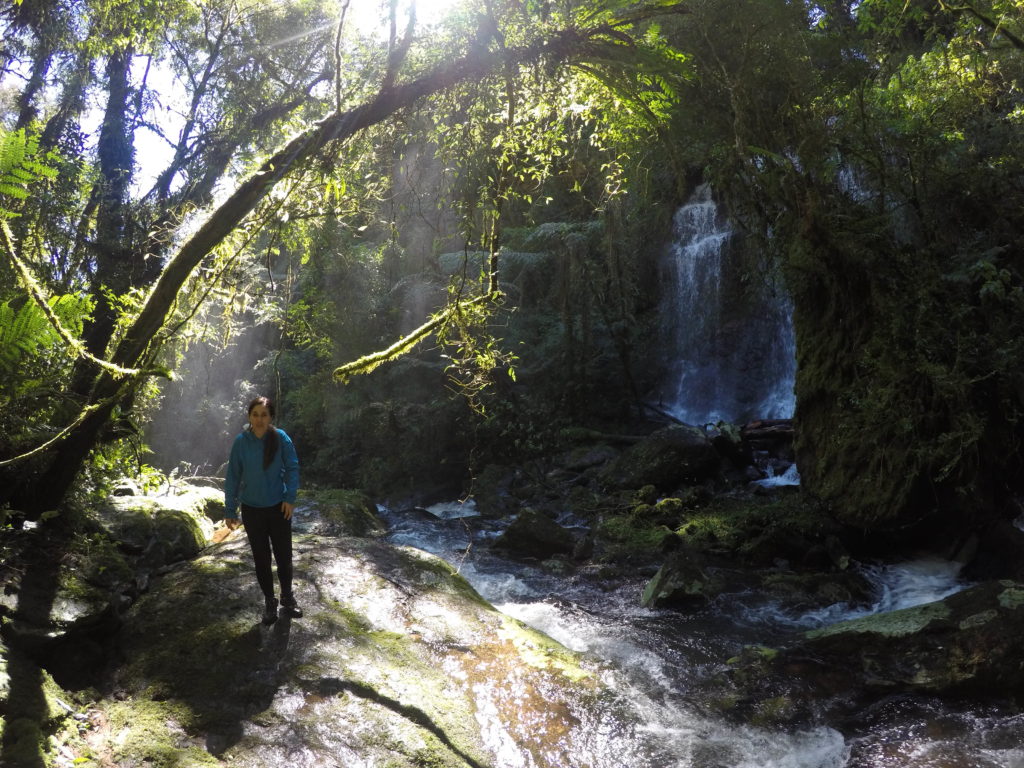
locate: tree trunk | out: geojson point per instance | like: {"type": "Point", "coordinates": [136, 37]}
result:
{"type": "Point", "coordinates": [113, 252]}
{"type": "Point", "coordinates": [142, 337]}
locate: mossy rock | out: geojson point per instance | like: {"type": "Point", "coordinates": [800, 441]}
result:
{"type": "Point", "coordinates": [492, 490]}
{"type": "Point", "coordinates": [898, 430]}
{"type": "Point", "coordinates": [158, 530]}
{"type": "Point", "coordinates": [671, 457]}
{"type": "Point", "coordinates": [34, 710]}
{"type": "Point", "coordinates": [966, 644]}
{"type": "Point", "coordinates": [339, 512]}
{"type": "Point", "coordinates": [534, 534]}
{"type": "Point", "coordinates": [627, 538]}
{"type": "Point", "coordinates": [683, 582]}
{"type": "Point", "coordinates": [48, 608]}
{"type": "Point", "coordinates": [397, 661]}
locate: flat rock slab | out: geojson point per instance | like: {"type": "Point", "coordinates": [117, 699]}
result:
{"type": "Point", "coordinates": [397, 661]}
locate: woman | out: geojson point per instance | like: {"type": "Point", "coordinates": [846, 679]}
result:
{"type": "Point", "coordinates": [263, 476]}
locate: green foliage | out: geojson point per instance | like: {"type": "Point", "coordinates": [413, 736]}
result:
{"type": "Point", "coordinates": [25, 331]}
{"type": "Point", "coordinates": [21, 164]}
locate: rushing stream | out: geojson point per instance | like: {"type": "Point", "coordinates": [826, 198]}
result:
{"type": "Point", "coordinates": [659, 660]}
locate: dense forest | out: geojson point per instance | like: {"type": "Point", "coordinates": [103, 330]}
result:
{"type": "Point", "coordinates": [435, 234]}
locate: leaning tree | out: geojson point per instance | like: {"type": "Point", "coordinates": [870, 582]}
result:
{"type": "Point", "coordinates": [244, 74]}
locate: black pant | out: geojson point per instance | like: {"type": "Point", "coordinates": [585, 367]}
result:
{"type": "Point", "coordinates": [266, 527]}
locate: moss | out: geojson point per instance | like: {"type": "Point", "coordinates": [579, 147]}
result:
{"type": "Point", "coordinates": [433, 571]}
{"type": "Point", "coordinates": [893, 624]}
{"type": "Point", "coordinates": [151, 732]}
{"type": "Point", "coordinates": [736, 523]}
{"type": "Point", "coordinates": [101, 562]}
{"type": "Point", "coordinates": [910, 389]}
{"type": "Point", "coordinates": [669, 507]}
{"type": "Point", "coordinates": [979, 619]}
{"type": "Point", "coordinates": [754, 653]}
{"type": "Point", "coordinates": [33, 708]}
{"type": "Point", "coordinates": [1012, 597]}
{"type": "Point", "coordinates": [540, 651]}
{"type": "Point", "coordinates": [625, 536]}
{"type": "Point", "coordinates": [773, 711]}
{"type": "Point", "coordinates": [647, 495]}
{"type": "Point", "coordinates": [351, 509]}
{"type": "Point", "coordinates": [24, 742]}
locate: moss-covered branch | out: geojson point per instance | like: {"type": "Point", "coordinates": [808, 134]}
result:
{"type": "Point", "coordinates": [31, 286]}
{"type": "Point", "coordinates": [406, 344]}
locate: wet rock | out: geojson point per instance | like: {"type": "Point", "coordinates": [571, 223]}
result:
{"type": "Point", "coordinates": [492, 490]}
{"type": "Point", "coordinates": [671, 457]}
{"type": "Point", "coordinates": [159, 530]}
{"type": "Point", "coordinates": [62, 589]}
{"type": "Point", "coordinates": [46, 610]}
{"type": "Point", "coordinates": [1000, 553]}
{"type": "Point", "coordinates": [339, 512]}
{"type": "Point", "coordinates": [588, 457]}
{"type": "Point", "coordinates": [966, 644]}
{"type": "Point", "coordinates": [396, 662]}
{"type": "Point", "coordinates": [683, 582]}
{"type": "Point", "coordinates": [533, 534]}
{"type": "Point", "coordinates": [727, 440]}
{"type": "Point", "coordinates": [806, 591]}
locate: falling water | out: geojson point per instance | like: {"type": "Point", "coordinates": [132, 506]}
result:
{"type": "Point", "coordinates": [731, 339]}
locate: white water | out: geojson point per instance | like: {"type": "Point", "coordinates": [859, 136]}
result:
{"type": "Point", "coordinates": [731, 362]}
{"type": "Point", "coordinates": [896, 586]}
{"type": "Point", "coordinates": [642, 663]}
{"type": "Point", "coordinates": [658, 662]}
{"type": "Point", "coordinates": [790, 477]}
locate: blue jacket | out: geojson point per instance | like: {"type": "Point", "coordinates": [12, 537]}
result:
{"type": "Point", "coordinates": [248, 483]}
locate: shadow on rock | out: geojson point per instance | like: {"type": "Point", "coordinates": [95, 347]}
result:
{"type": "Point", "coordinates": [331, 686]}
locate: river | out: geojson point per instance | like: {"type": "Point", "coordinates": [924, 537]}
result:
{"type": "Point", "coordinates": [661, 661]}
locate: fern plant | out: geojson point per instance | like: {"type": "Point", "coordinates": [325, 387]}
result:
{"type": "Point", "coordinates": [25, 329]}
{"type": "Point", "coordinates": [20, 165]}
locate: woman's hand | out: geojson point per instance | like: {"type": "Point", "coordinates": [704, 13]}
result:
{"type": "Point", "coordinates": [232, 522]}
{"type": "Point", "coordinates": [287, 508]}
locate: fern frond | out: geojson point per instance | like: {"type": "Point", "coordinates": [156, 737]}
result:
{"type": "Point", "coordinates": [74, 345]}
{"type": "Point", "coordinates": [20, 166]}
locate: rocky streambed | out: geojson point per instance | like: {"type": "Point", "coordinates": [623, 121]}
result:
{"type": "Point", "coordinates": [646, 608]}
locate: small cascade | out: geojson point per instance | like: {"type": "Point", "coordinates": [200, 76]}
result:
{"type": "Point", "coordinates": [659, 662]}
{"type": "Point", "coordinates": [896, 586]}
{"type": "Point", "coordinates": [731, 339]}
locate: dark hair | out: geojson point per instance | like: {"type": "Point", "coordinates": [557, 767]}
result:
{"type": "Point", "coordinates": [270, 444]}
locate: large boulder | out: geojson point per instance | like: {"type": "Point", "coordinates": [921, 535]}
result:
{"type": "Point", "coordinates": [683, 582]}
{"type": "Point", "coordinates": [33, 710]}
{"type": "Point", "coordinates": [338, 512]}
{"type": "Point", "coordinates": [397, 662]}
{"type": "Point", "coordinates": [534, 534]}
{"type": "Point", "coordinates": [159, 530]}
{"type": "Point", "coordinates": [966, 643]}
{"type": "Point", "coordinates": [671, 457]}
{"type": "Point", "coordinates": [45, 610]}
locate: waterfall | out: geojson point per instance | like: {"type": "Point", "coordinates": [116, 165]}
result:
{"type": "Point", "coordinates": [730, 338]}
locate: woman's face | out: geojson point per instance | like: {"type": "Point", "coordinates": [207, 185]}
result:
{"type": "Point", "coordinates": [259, 420]}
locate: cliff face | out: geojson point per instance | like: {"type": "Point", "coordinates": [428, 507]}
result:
{"type": "Point", "coordinates": [907, 396]}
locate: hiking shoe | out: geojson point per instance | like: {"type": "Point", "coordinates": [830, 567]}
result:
{"type": "Point", "coordinates": [290, 608]}
{"type": "Point", "coordinates": [270, 611]}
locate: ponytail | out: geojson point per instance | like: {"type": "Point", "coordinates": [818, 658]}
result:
{"type": "Point", "coordinates": [270, 446]}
